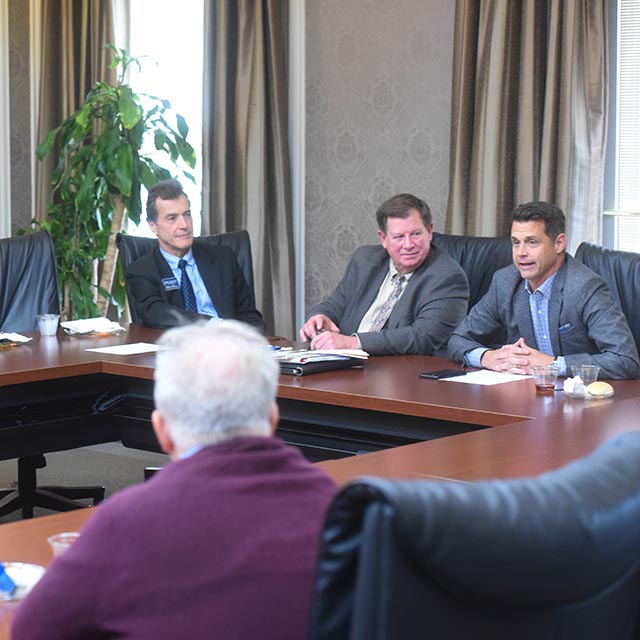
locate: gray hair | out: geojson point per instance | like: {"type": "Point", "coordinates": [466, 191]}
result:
{"type": "Point", "coordinates": [214, 382]}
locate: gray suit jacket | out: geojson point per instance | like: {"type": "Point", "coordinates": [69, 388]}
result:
{"type": "Point", "coordinates": [433, 303]}
{"type": "Point", "coordinates": [585, 325]}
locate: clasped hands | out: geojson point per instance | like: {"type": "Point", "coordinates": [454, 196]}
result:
{"type": "Point", "coordinates": [514, 358]}
{"type": "Point", "coordinates": [325, 334]}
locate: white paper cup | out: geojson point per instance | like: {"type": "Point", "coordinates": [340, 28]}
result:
{"type": "Point", "coordinates": [60, 542]}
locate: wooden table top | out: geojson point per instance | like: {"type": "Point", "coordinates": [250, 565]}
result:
{"type": "Point", "coordinates": [531, 433]}
{"type": "Point", "coordinates": [386, 384]}
{"type": "Point", "coordinates": [26, 541]}
{"type": "Point", "coordinates": [526, 448]}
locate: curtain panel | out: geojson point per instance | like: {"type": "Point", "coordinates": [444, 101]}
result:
{"type": "Point", "coordinates": [246, 170]}
{"type": "Point", "coordinates": [528, 113]}
{"type": "Point", "coordinates": [73, 58]}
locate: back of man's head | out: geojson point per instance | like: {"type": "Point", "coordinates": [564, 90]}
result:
{"type": "Point", "coordinates": [165, 190]}
{"type": "Point", "coordinates": [552, 216]}
{"type": "Point", "coordinates": [214, 382]}
{"type": "Point", "coordinates": [400, 206]}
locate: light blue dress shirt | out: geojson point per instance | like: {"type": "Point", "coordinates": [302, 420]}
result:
{"type": "Point", "coordinates": [203, 300]}
{"type": "Point", "coordinates": [539, 308]}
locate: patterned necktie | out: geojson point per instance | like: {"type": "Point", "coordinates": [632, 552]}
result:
{"type": "Point", "coordinates": [382, 317]}
{"type": "Point", "coordinates": [188, 297]}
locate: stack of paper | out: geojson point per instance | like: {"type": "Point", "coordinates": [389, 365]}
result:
{"type": "Point", "coordinates": [301, 356]}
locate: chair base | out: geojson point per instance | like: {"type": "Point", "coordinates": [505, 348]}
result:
{"type": "Point", "coordinates": [27, 495]}
{"type": "Point", "coordinates": [149, 471]}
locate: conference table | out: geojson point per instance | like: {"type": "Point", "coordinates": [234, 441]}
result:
{"type": "Point", "coordinates": [55, 394]}
{"type": "Point", "coordinates": [402, 426]}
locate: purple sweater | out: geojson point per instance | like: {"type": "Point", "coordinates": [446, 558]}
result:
{"type": "Point", "coordinates": [221, 545]}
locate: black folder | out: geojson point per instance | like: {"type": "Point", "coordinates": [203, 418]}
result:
{"type": "Point", "coordinates": [318, 366]}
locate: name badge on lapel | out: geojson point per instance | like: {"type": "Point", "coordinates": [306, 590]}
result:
{"type": "Point", "coordinates": [170, 284]}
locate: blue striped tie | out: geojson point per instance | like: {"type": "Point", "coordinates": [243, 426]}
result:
{"type": "Point", "coordinates": [188, 296]}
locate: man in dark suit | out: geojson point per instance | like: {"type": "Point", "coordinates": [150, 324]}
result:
{"type": "Point", "coordinates": [220, 543]}
{"type": "Point", "coordinates": [179, 281]}
{"type": "Point", "coordinates": [545, 308]}
{"type": "Point", "coordinates": [405, 296]}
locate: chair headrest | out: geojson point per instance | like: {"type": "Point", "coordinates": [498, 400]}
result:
{"type": "Point", "coordinates": [479, 257]}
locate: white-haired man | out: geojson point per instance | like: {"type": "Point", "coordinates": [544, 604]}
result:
{"type": "Point", "coordinates": [221, 543]}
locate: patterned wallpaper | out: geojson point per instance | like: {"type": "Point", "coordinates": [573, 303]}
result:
{"type": "Point", "coordinates": [377, 116]}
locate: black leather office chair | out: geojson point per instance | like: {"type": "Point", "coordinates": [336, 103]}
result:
{"type": "Point", "coordinates": [621, 272]}
{"type": "Point", "coordinates": [553, 557]}
{"type": "Point", "coordinates": [28, 286]}
{"type": "Point", "coordinates": [28, 283]}
{"type": "Point", "coordinates": [130, 248]}
{"type": "Point", "coordinates": [479, 257]}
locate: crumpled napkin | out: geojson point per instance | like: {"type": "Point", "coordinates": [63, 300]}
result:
{"type": "Point", "coordinates": [91, 325]}
{"type": "Point", "coordinates": [575, 387]}
{"type": "Point", "coordinates": [14, 337]}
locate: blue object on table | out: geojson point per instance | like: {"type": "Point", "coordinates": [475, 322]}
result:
{"type": "Point", "coordinates": [7, 585]}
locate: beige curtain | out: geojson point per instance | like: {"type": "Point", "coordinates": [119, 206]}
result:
{"type": "Point", "coordinates": [246, 174]}
{"type": "Point", "coordinates": [73, 35]}
{"type": "Point", "coordinates": [528, 113]}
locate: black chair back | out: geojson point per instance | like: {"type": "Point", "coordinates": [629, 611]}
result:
{"type": "Point", "coordinates": [479, 257]}
{"type": "Point", "coordinates": [621, 272]}
{"type": "Point", "coordinates": [553, 557]}
{"type": "Point", "coordinates": [28, 281]}
{"type": "Point", "coordinates": [131, 248]}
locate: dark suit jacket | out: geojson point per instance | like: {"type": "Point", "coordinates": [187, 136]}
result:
{"type": "Point", "coordinates": [222, 277]}
{"type": "Point", "coordinates": [432, 304]}
{"type": "Point", "coordinates": [219, 545]}
{"type": "Point", "coordinates": [585, 325]}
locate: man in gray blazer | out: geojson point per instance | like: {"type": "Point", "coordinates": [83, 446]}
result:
{"type": "Point", "coordinates": [405, 296]}
{"type": "Point", "coordinates": [545, 308]}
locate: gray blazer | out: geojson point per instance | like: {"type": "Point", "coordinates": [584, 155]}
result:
{"type": "Point", "coordinates": [432, 304]}
{"type": "Point", "coordinates": [585, 325]}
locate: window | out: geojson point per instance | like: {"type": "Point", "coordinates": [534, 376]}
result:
{"type": "Point", "coordinates": [168, 39]}
{"type": "Point", "coordinates": [622, 184]}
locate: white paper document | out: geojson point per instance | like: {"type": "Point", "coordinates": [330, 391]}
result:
{"type": "Point", "coordinates": [127, 349]}
{"type": "Point", "coordinates": [486, 377]}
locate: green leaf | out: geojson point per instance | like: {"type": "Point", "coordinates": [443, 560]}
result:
{"type": "Point", "coordinates": [123, 166]}
{"type": "Point", "coordinates": [130, 110]}
{"type": "Point", "coordinates": [47, 144]}
{"type": "Point", "coordinates": [183, 128]}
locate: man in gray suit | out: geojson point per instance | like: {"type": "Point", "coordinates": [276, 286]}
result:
{"type": "Point", "coordinates": [405, 296]}
{"type": "Point", "coordinates": [545, 308]}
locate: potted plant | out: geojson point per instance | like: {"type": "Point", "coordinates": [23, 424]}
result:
{"type": "Point", "coordinates": [97, 179]}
